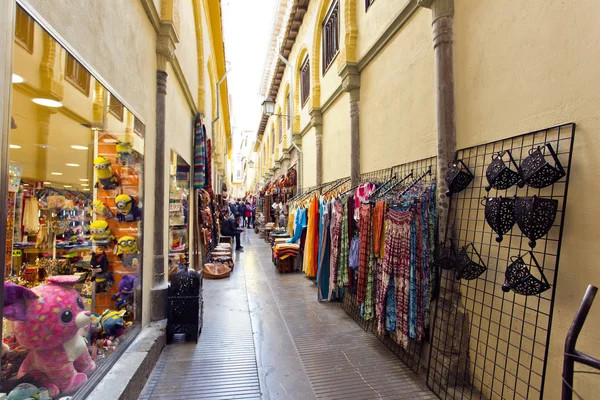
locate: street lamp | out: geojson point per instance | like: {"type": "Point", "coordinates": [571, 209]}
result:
{"type": "Point", "coordinates": [268, 107]}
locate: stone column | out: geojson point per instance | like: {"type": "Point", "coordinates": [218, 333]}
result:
{"type": "Point", "coordinates": [351, 84]}
{"type": "Point", "coordinates": [165, 51]}
{"type": "Point", "coordinates": [316, 121]}
{"type": "Point", "coordinates": [442, 24]}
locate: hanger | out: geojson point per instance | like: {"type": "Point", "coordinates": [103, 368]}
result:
{"type": "Point", "coordinates": [419, 179]}
{"type": "Point", "coordinates": [395, 184]}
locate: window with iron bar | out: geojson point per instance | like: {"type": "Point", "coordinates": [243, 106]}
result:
{"type": "Point", "coordinates": [280, 129]}
{"type": "Point", "coordinates": [77, 75]}
{"type": "Point", "coordinates": [116, 108]}
{"type": "Point", "coordinates": [304, 81]}
{"type": "Point", "coordinates": [288, 116]}
{"type": "Point", "coordinates": [331, 35]}
{"type": "Point", "coordinates": [24, 25]}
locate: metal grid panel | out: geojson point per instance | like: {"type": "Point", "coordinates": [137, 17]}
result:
{"type": "Point", "coordinates": [488, 343]}
{"type": "Point", "coordinates": [410, 356]}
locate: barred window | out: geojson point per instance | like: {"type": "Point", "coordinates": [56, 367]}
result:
{"type": "Point", "coordinates": [289, 111]}
{"type": "Point", "coordinates": [331, 35]}
{"type": "Point", "coordinates": [116, 108]}
{"type": "Point", "coordinates": [280, 129]}
{"type": "Point", "coordinates": [24, 30]}
{"type": "Point", "coordinates": [304, 81]}
{"type": "Point", "coordinates": [368, 4]}
{"type": "Point", "coordinates": [77, 75]}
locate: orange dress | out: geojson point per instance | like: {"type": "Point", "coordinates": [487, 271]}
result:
{"type": "Point", "coordinates": [309, 265]}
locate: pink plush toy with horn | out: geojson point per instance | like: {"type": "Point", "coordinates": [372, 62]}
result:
{"type": "Point", "coordinates": [47, 321]}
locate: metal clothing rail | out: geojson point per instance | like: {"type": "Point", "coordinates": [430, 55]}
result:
{"type": "Point", "coordinates": [571, 354]}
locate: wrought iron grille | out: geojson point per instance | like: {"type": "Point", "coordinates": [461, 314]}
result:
{"type": "Point", "coordinates": [411, 356]}
{"type": "Point", "coordinates": [304, 81]}
{"type": "Point", "coordinates": [487, 343]}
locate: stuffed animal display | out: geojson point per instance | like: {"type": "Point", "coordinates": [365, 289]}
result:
{"type": "Point", "coordinates": [104, 173]}
{"type": "Point", "coordinates": [101, 210]}
{"type": "Point", "coordinates": [100, 273]}
{"type": "Point", "coordinates": [127, 209]}
{"type": "Point", "coordinates": [126, 288]}
{"type": "Point", "coordinates": [100, 233]}
{"type": "Point", "coordinates": [47, 320]}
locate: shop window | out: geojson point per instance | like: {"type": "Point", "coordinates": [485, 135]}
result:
{"type": "Point", "coordinates": [368, 4]}
{"type": "Point", "coordinates": [74, 231]}
{"type": "Point", "coordinates": [179, 193]}
{"type": "Point", "coordinates": [304, 81]}
{"type": "Point", "coordinates": [77, 75]}
{"type": "Point", "coordinates": [116, 108]}
{"type": "Point", "coordinates": [24, 25]}
{"type": "Point", "coordinates": [331, 36]}
{"type": "Point", "coordinates": [139, 127]}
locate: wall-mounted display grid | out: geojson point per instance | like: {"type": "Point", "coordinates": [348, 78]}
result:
{"type": "Point", "coordinates": [411, 355]}
{"type": "Point", "coordinates": [488, 343]}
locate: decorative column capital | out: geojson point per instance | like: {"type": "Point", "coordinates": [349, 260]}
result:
{"type": "Point", "coordinates": [165, 51]}
{"type": "Point", "coordinates": [351, 80]}
{"type": "Point", "coordinates": [439, 8]}
{"type": "Point", "coordinates": [316, 117]}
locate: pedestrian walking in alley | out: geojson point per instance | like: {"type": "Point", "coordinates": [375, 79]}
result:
{"type": "Point", "coordinates": [248, 214]}
{"type": "Point", "coordinates": [242, 211]}
{"type": "Point", "coordinates": [230, 227]}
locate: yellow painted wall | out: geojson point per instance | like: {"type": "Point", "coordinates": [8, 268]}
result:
{"type": "Point", "coordinates": [397, 99]}
{"type": "Point", "coordinates": [309, 154]}
{"type": "Point", "coordinates": [179, 120]}
{"type": "Point", "coordinates": [336, 140]}
{"type": "Point", "coordinates": [523, 66]}
{"type": "Point", "coordinates": [186, 50]}
{"type": "Point", "coordinates": [373, 22]}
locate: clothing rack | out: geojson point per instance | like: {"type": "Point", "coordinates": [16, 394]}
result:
{"type": "Point", "coordinates": [394, 185]}
{"type": "Point", "coordinates": [340, 183]}
{"type": "Point", "coordinates": [419, 179]}
{"type": "Point", "coordinates": [374, 194]}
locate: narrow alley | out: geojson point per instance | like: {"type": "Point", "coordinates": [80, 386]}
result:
{"type": "Point", "coordinates": [301, 350]}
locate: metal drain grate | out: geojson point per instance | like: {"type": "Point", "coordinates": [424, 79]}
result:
{"type": "Point", "coordinates": [222, 365]}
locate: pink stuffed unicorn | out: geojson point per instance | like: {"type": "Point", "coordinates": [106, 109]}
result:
{"type": "Point", "coordinates": [47, 320]}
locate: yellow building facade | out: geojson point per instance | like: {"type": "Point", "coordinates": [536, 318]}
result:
{"type": "Point", "coordinates": [518, 67]}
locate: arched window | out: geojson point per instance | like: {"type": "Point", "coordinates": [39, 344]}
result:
{"type": "Point", "coordinates": [304, 81]}
{"type": "Point", "coordinates": [280, 127]}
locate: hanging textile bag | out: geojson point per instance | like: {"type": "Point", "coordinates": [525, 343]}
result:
{"type": "Point", "coordinates": [354, 253]}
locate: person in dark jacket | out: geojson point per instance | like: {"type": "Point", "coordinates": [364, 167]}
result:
{"type": "Point", "coordinates": [230, 228]}
{"type": "Point", "coordinates": [242, 210]}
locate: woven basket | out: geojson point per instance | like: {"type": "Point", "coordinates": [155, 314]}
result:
{"type": "Point", "coordinates": [216, 271]}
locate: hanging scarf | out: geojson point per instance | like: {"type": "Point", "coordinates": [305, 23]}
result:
{"type": "Point", "coordinates": [199, 154]}
{"type": "Point", "coordinates": [342, 280]}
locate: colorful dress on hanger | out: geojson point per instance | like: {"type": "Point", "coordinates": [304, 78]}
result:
{"type": "Point", "coordinates": [325, 249]}
{"type": "Point", "coordinates": [336, 234]}
{"type": "Point", "coordinates": [344, 250]}
{"type": "Point", "coordinates": [363, 259]}
{"type": "Point", "coordinates": [312, 236]}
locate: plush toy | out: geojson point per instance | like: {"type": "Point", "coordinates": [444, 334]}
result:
{"type": "Point", "coordinates": [102, 210]}
{"type": "Point", "coordinates": [100, 233]}
{"type": "Point", "coordinates": [47, 320]}
{"type": "Point", "coordinates": [26, 391]}
{"type": "Point", "coordinates": [104, 174]}
{"type": "Point", "coordinates": [125, 295]}
{"type": "Point", "coordinates": [127, 209]}
{"type": "Point", "coordinates": [100, 274]}
{"type": "Point", "coordinates": [128, 252]}
{"type": "Point", "coordinates": [125, 153]}
{"type": "Point", "coordinates": [112, 323]}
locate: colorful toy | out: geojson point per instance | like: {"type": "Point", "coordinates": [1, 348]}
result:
{"type": "Point", "coordinates": [100, 232]}
{"type": "Point", "coordinates": [126, 288]}
{"type": "Point", "coordinates": [47, 320]}
{"type": "Point", "coordinates": [100, 274]}
{"type": "Point", "coordinates": [101, 209]}
{"type": "Point", "coordinates": [125, 153]}
{"type": "Point", "coordinates": [128, 252]}
{"type": "Point", "coordinates": [26, 391]}
{"type": "Point", "coordinates": [112, 322]}
{"type": "Point", "coordinates": [104, 174]}
{"type": "Point", "coordinates": [127, 209]}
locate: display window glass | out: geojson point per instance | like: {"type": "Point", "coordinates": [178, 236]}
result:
{"type": "Point", "coordinates": [73, 262]}
{"type": "Point", "coordinates": [179, 192]}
